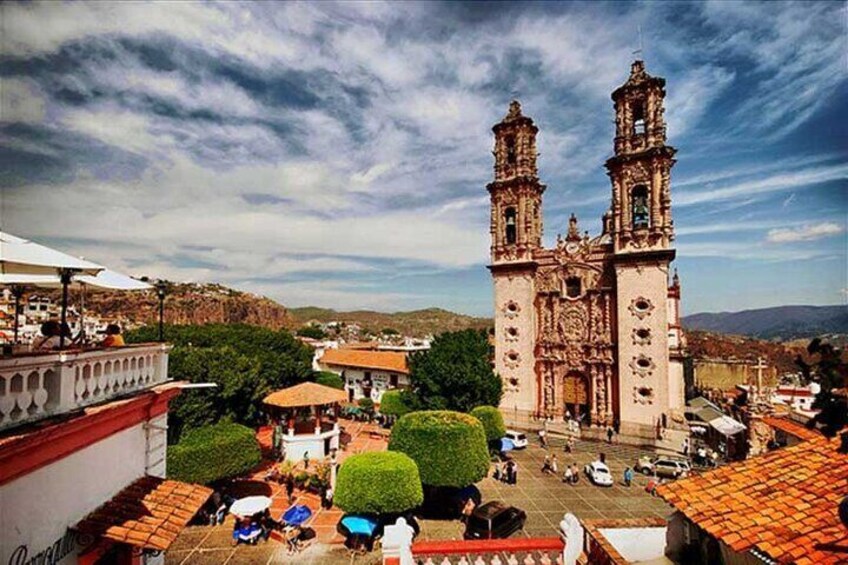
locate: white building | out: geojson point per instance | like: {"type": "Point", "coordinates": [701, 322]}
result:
{"type": "Point", "coordinates": [367, 374]}
{"type": "Point", "coordinates": [82, 436]}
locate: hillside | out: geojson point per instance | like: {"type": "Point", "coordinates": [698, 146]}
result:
{"type": "Point", "coordinates": [708, 345]}
{"type": "Point", "coordinates": [187, 303]}
{"type": "Point", "coordinates": [416, 323]}
{"type": "Point", "coordinates": [782, 323]}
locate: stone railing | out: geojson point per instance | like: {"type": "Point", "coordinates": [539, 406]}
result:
{"type": "Point", "coordinates": [398, 548]}
{"type": "Point", "coordinates": [37, 386]}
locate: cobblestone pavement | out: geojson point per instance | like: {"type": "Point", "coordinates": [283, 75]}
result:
{"type": "Point", "coordinates": [544, 497]}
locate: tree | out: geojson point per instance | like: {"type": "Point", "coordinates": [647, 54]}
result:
{"type": "Point", "coordinates": [389, 331]}
{"type": "Point", "coordinates": [392, 404]}
{"type": "Point", "coordinates": [454, 374]}
{"type": "Point", "coordinates": [246, 362]}
{"type": "Point", "coordinates": [448, 447]}
{"type": "Point", "coordinates": [378, 483]}
{"type": "Point", "coordinates": [214, 452]}
{"type": "Point", "coordinates": [830, 372]}
{"type": "Point", "coordinates": [311, 331]}
{"type": "Point", "coordinates": [492, 420]}
{"type": "Point", "coordinates": [329, 379]}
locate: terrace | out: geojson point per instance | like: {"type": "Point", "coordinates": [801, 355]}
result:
{"type": "Point", "coordinates": [34, 386]}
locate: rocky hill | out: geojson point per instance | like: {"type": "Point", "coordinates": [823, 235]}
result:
{"type": "Point", "coordinates": [415, 323]}
{"type": "Point", "coordinates": [710, 345]}
{"type": "Point", "coordinates": [781, 323]}
{"type": "Point", "coordinates": [188, 303]}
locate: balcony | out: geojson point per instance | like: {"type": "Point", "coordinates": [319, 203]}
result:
{"type": "Point", "coordinates": [40, 385]}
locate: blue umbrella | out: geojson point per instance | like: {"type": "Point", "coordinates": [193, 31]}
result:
{"type": "Point", "coordinates": [297, 515]}
{"type": "Point", "coordinates": [507, 444]}
{"type": "Point", "coordinates": [359, 525]}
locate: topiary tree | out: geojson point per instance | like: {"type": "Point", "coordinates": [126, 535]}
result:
{"type": "Point", "coordinates": [492, 420]}
{"type": "Point", "coordinates": [392, 404]}
{"type": "Point", "coordinates": [214, 452]}
{"type": "Point", "coordinates": [329, 379]}
{"type": "Point", "coordinates": [378, 483]}
{"type": "Point", "coordinates": [448, 447]}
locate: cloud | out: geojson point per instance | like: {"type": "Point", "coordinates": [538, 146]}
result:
{"type": "Point", "coordinates": [810, 232]}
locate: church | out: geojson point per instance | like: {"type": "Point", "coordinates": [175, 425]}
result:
{"type": "Point", "coordinates": [590, 329]}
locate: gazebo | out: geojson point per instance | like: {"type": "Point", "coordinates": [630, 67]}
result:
{"type": "Point", "coordinates": [309, 414]}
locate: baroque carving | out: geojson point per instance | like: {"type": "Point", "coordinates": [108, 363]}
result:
{"type": "Point", "coordinates": [641, 307]}
{"type": "Point", "coordinates": [641, 336]}
{"type": "Point", "coordinates": [511, 333]}
{"type": "Point", "coordinates": [511, 309]}
{"type": "Point", "coordinates": [642, 365]}
{"type": "Point", "coordinates": [572, 324]}
{"type": "Point", "coordinates": [512, 359]}
{"type": "Point", "coordinates": [643, 395]}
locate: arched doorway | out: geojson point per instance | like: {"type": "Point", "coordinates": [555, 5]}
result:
{"type": "Point", "coordinates": [575, 395]}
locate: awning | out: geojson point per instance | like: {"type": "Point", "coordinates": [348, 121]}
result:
{"type": "Point", "coordinates": [149, 514]}
{"type": "Point", "coordinates": [305, 394]}
{"type": "Point", "coordinates": [23, 257]}
{"type": "Point", "coordinates": [727, 426]}
{"type": "Point", "coordinates": [104, 280]}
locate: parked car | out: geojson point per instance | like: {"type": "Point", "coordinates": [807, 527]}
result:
{"type": "Point", "coordinates": [599, 474]}
{"type": "Point", "coordinates": [663, 467]}
{"type": "Point", "coordinates": [494, 520]}
{"type": "Point", "coordinates": [518, 439]}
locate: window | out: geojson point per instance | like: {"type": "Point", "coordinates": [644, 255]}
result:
{"type": "Point", "coordinates": [510, 149]}
{"type": "Point", "coordinates": [641, 212]}
{"type": "Point", "coordinates": [511, 227]}
{"type": "Point", "coordinates": [393, 380]}
{"type": "Point", "coordinates": [639, 117]}
{"type": "Point", "coordinates": [573, 287]}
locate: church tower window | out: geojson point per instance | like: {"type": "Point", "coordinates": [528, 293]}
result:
{"type": "Point", "coordinates": [509, 217]}
{"type": "Point", "coordinates": [510, 149]}
{"type": "Point", "coordinates": [573, 287]}
{"type": "Point", "coordinates": [641, 213]}
{"type": "Point", "coordinates": [639, 117]}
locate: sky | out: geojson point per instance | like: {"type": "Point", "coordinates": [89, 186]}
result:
{"type": "Point", "coordinates": [336, 154]}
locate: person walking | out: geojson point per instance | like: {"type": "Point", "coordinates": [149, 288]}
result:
{"type": "Point", "coordinates": [575, 473]}
{"type": "Point", "coordinates": [685, 447]}
{"type": "Point", "coordinates": [566, 477]}
{"type": "Point", "coordinates": [569, 445]}
{"type": "Point", "coordinates": [546, 465]}
{"type": "Point", "coordinates": [628, 476]}
{"type": "Point", "coordinates": [610, 433]}
{"type": "Point", "coordinates": [306, 460]}
{"type": "Point", "coordinates": [543, 438]}
{"type": "Point", "coordinates": [554, 466]}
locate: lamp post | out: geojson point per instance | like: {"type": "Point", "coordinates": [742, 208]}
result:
{"type": "Point", "coordinates": [65, 276]}
{"type": "Point", "coordinates": [160, 292]}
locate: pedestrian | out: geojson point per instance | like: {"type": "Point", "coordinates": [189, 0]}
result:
{"type": "Point", "coordinates": [569, 445]}
{"type": "Point", "coordinates": [546, 465]}
{"type": "Point", "coordinates": [327, 501]}
{"type": "Point", "coordinates": [290, 489]}
{"type": "Point", "coordinates": [610, 433]}
{"type": "Point", "coordinates": [467, 510]}
{"type": "Point", "coordinates": [543, 438]}
{"type": "Point", "coordinates": [554, 466]}
{"type": "Point", "coordinates": [566, 477]}
{"type": "Point", "coordinates": [685, 446]}
{"type": "Point", "coordinates": [511, 473]}
{"type": "Point", "coordinates": [602, 457]}
{"type": "Point", "coordinates": [306, 460]}
{"type": "Point", "coordinates": [575, 473]}
{"type": "Point", "coordinates": [628, 476]}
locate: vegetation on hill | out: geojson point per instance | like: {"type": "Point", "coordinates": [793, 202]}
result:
{"type": "Point", "coordinates": [454, 374]}
{"type": "Point", "coordinates": [782, 322]}
{"type": "Point", "coordinates": [416, 323]}
{"type": "Point", "coordinates": [245, 362]}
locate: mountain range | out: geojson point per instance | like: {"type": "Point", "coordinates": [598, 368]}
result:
{"type": "Point", "coordinates": [780, 323]}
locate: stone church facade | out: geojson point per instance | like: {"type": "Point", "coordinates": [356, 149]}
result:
{"type": "Point", "coordinates": [590, 328]}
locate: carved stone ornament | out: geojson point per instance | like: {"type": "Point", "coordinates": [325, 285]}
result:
{"type": "Point", "coordinates": [641, 307]}
{"type": "Point", "coordinates": [643, 395]}
{"type": "Point", "coordinates": [547, 280]}
{"type": "Point", "coordinates": [641, 336]}
{"type": "Point", "coordinates": [642, 365]}
{"type": "Point", "coordinates": [511, 309]}
{"type": "Point", "coordinates": [511, 333]}
{"type": "Point", "coordinates": [512, 359]}
{"type": "Point", "coordinates": [572, 324]}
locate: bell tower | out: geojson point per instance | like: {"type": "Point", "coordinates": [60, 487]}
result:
{"type": "Point", "coordinates": [641, 167]}
{"type": "Point", "coordinates": [642, 232]}
{"type": "Point", "coordinates": [516, 230]}
{"type": "Point", "coordinates": [516, 193]}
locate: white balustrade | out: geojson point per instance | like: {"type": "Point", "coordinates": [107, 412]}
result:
{"type": "Point", "coordinates": [40, 385]}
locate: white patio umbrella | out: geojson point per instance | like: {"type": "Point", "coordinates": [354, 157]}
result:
{"type": "Point", "coordinates": [19, 256]}
{"type": "Point", "coordinates": [105, 280]}
{"type": "Point", "coordinates": [250, 505]}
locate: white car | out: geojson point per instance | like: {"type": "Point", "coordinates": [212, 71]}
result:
{"type": "Point", "coordinates": [599, 474]}
{"type": "Point", "coordinates": [518, 439]}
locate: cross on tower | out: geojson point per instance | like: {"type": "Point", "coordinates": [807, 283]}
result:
{"type": "Point", "coordinates": [759, 367]}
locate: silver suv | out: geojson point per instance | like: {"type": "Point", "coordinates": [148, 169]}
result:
{"type": "Point", "coordinates": [664, 467]}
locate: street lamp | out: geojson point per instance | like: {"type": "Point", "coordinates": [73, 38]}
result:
{"type": "Point", "coordinates": [160, 293]}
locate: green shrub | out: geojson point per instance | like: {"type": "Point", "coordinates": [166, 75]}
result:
{"type": "Point", "coordinates": [214, 452]}
{"type": "Point", "coordinates": [448, 447]}
{"type": "Point", "coordinates": [366, 404]}
{"type": "Point", "coordinates": [392, 404]}
{"type": "Point", "coordinates": [312, 332]}
{"type": "Point", "coordinates": [329, 379]}
{"type": "Point", "coordinates": [492, 420]}
{"type": "Point", "coordinates": [378, 483]}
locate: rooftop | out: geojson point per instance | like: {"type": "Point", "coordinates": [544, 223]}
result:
{"type": "Point", "coordinates": [782, 504]}
{"type": "Point", "coordinates": [393, 361]}
{"type": "Point", "coordinates": [791, 427]}
{"type": "Point", "coordinates": [150, 513]}
{"type": "Point", "coordinates": [305, 394]}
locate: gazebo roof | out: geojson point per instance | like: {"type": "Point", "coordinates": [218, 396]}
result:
{"type": "Point", "coordinates": [305, 394]}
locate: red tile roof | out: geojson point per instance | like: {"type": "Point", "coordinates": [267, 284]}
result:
{"type": "Point", "coordinates": [783, 504]}
{"type": "Point", "coordinates": [791, 428]}
{"type": "Point", "coordinates": [150, 513]}
{"type": "Point", "coordinates": [305, 394]}
{"type": "Point", "coordinates": [393, 361]}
